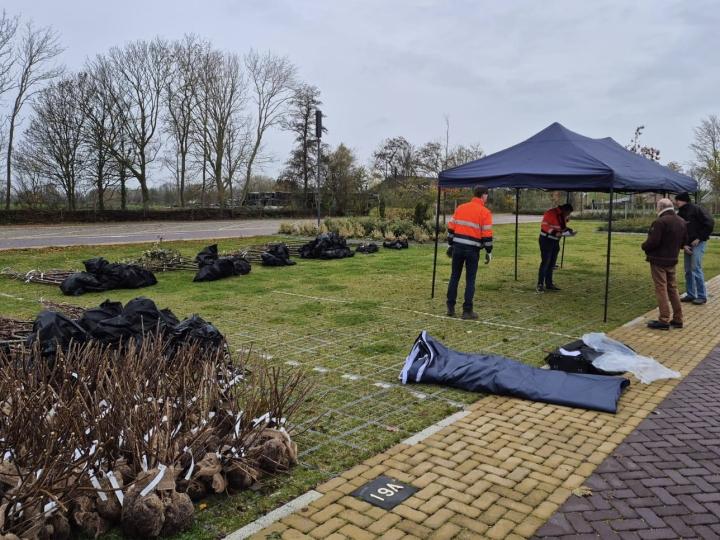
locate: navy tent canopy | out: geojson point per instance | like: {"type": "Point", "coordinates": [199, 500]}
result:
{"type": "Point", "coordinates": [559, 159]}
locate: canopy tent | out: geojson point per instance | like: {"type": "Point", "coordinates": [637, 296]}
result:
{"type": "Point", "coordinates": [559, 159]}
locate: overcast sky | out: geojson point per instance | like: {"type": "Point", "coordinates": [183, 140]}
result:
{"type": "Point", "coordinates": [500, 71]}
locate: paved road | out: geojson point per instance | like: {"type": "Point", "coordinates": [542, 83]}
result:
{"type": "Point", "coordinates": [35, 236]}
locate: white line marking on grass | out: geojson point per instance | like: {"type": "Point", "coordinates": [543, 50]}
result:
{"type": "Point", "coordinates": [268, 519]}
{"type": "Point", "coordinates": [415, 312]}
{"type": "Point", "coordinates": [432, 430]}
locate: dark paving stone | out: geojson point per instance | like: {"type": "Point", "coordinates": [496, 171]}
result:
{"type": "Point", "coordinates": [663, 481]}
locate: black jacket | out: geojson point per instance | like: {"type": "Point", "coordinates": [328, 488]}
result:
{"type": "Point", "coordinates": [667, 236]}
{"type": "Point", "coordinates": [699, 222]}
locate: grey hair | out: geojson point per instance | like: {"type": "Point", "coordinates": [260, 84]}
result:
{"type": "Point", "coordinates": [664, 204]}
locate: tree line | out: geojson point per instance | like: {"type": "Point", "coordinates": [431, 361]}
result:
{"type": "Point", "coordinates": [183, 109]}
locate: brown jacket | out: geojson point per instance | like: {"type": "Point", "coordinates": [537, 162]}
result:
{"type": "Point", "coordinates": [667, 236]}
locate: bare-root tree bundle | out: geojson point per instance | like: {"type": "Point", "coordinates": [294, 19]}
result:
{"type": "Point", "coordinates": [131, 434]}
{"type": "Point", "coordinates": [46, 277]}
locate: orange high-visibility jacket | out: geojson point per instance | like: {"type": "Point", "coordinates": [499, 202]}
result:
{"type": "Point", "coordinates": [553, 223]}
{"type": "Point", "coordinates": [471, 225]}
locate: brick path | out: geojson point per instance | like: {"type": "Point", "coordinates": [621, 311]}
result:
{"type": "Point", "coordinates": [506, 468]}
{"type": "Point", "coordinates": [663, 481]}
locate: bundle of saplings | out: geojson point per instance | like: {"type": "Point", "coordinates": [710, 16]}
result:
{"type": "Point", "coordinates": [162, 259]}
{"type": "Point", "coordinates": [211, 267]}
{"type": "Point", "coordinates": [326, 246]}
{"type": "Point", "coordinates": [127, 435]}
{"type": "Point", "coordinates": [396, 243]}
{"type": "Point", "coordinates": [101, 275]}
{"type": "Point", "coordinates": [276, 255]}
{"type": "Point", "coordinates": [367, 248]}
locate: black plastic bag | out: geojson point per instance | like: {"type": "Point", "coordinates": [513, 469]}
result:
{"type": "Point", "coordinates": [100, 275]}
{"type": "Point", "coordinates": [395, 244]}
{"type": "Point", "coordinates": [367, 247]}
{"type": "Point", "coordinates": [326, 246]}
{"type": "Point", "coordinates": [276, 255]}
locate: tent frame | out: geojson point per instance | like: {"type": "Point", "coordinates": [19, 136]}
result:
{"type": "Point", "coordinates": [517, 214]}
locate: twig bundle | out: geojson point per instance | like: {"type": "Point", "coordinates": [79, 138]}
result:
{"type": "Point", "coordinates": [128, 434]}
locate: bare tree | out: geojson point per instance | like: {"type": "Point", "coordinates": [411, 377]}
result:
{"type": "Point", "coordinates": [706, 147]}
{"type": "Point", "coordinates": [101, 130]}
{"type": "Point", "coordinates": [300, 167]}
{"type": "Point", "coordinates": [272, 79]}
{"type": "Point", "coordinates": [38, 47]}
{"type": "Point", "coordinates": [181, 102]}
{"type": "Point", "coordinates": [52, 144]}
{"type": "Point", "coordinates": [395, 158]}
{"type": "Point", "coordinates": [8, 29]}
{"type": "Point", "coordinates": [224, 95]}
{"type": "Point", "coordinates": [133, 79]}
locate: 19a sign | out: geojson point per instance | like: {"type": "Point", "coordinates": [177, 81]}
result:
{"type": "Point", "coordinates": [384, 492]}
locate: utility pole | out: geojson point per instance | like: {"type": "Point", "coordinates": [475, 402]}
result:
{"type": "Point", "coordinates": [318, 136]}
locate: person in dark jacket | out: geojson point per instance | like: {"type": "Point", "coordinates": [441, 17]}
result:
{"type": "Point", "coordinates": [699, 227]}
{"type": "Point", "coordinates": [667, 236]}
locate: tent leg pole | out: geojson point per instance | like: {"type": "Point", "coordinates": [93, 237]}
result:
{"type": "Point", "coordinates": [437, 235]}
{"type": "Point", "coordinates": [607, 257]}
{"type": "Point", "coordinates": [562, 254]}
{"type": "Point", "coordinates": [517, 217]}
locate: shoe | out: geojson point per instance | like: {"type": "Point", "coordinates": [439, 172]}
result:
{"type": "Point", "coordinates": [540, 288]}
{"type": "Point", "coordinates": [450, 312]}
{"type": "Point", "coordinates": [552, 288]}
{"type": "Point", "coordinates": [658, 325]}
{"type": "Point", "coordinates": [676, 324]}
{"type": "Point", "coordinates": [687, 298]}
{"type": "Point", "coordinates": [470, 316]}
{"type": "Point", "coordinates": [699, 301]}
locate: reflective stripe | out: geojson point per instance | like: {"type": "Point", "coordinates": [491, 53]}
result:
{"type": "Point", "coordinates": [466, 223]}
{"type": "Point", "coordinates": [466, 241]}
{"type": "Point", "coordinates": [548, 235]}
{"type": "Point", "coordinates": [488, 243]}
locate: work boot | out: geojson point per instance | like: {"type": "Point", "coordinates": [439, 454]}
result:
{"type": "Point", "coordinates": [450, 311]}
{"type": "Point", "coordinates": [676, 324]}
{"type": "Point", "coordinates": [540, 288]}
{"type": "Point", "coordinates": [552, 287]}
{"type": "Point", "coordinates": [470, 316]}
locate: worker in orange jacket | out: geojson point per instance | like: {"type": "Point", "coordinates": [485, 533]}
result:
{"type": "Point", "coordinates": [554, 224]}
{"type": "Point", "coordinates": [469, 231]}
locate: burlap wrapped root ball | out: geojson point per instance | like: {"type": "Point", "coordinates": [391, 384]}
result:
{"type": "Point", "coordinates": [273, 451]}
{"type": "Point", "coordinates": [85, 516]}
{"type": "Point", "coordinates": [162, 512]}
{"type": "Point", "coordinates": [207, 478]}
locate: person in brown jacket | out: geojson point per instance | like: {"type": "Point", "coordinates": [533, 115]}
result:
{"type": "Point", "coordinates": [667, 236]}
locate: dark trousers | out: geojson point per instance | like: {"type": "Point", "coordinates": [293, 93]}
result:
{"type": "Point", "coordinates": [549, 250]}
{"type": "Point", "coordinates": [469, 257]}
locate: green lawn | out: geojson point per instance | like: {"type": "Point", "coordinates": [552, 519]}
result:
{"type": "Point", "coordinates": [351, 322]}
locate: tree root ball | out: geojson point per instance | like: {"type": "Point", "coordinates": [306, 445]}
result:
{"type": "Point", "coordinates": [57, 527]}
{"type": "Point", "coordinates": [274, 451]}
{"type": "Point", "coordinates": [179, 511]}
{"type": "Point", "coordinates": [84, 515]}
{"type": "Point", "coordinates": [142, 517]}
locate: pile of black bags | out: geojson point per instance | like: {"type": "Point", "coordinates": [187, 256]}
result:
{"type": "Point", "coordinates": [212, 267]}
{"type": "Point", "coordinates": [100, 275]}
{"type": "Point", "coordinates": [326, 246]}
{"type": "Point", "coordinates": [398, 243]}
{"type": "Point", "coordinates": [367, 248]}
{"type": "Point", "coordinates": [111, 323]}
{"type": "Point", "coordinates": [276, 255]}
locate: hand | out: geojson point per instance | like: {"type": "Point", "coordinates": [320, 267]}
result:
{"type": "Point", "coordinates": [488, 258]}
{"type": "Point", "coordinates": [695, 242]}
{"type": "Point", "coordinates": [449, 251]}
{"type": "Point", "coordinates": [687, 250]}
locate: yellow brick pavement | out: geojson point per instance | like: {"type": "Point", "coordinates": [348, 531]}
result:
{"type": "Point", "coordinates": [504, 469]}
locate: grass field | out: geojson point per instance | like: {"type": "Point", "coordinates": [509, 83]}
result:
{"type": "Point", "coordinates": [351, 322]}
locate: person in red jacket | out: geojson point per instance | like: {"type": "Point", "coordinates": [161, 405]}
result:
{"type": "Point", "coordinates": [469, 231]}
{"type": "Point", "coordinates": [554, 224]}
